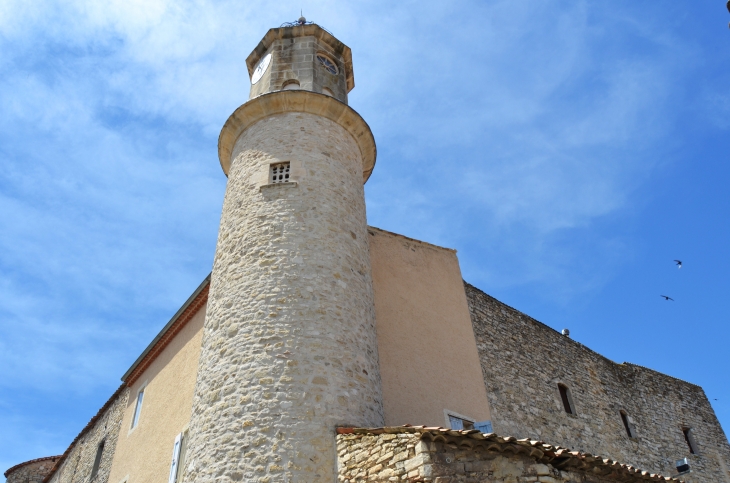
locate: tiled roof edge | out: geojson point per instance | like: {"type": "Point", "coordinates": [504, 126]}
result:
{"type": "Point", "coordinates": [88, 426]}
{"type": "Point", "coordinates": [37, 460]}
{"type": "Point", "coordinates": [183, 315]}
{"type": "Point", "coordinates": [618, 364]}
{"type": "Point", "coordinates": [539, 450]}
{"type": "Point", "coordinates": [431, 245]}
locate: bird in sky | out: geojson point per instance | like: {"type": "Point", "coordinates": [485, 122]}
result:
{"type": "Point", "coordinates": [679, 263]}
{"type": "Point", "coordinates": [667, 298]}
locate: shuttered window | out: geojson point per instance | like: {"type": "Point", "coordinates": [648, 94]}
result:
{"type": "Point", "coordinates": [179, 450]}
{"type": "Point", "coordinates": [459, 423]}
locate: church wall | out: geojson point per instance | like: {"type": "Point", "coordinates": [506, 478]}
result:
{"type": "Point", "coordinates": [524, 361]}
{"type": "Point", "coordinates": [144, 453]}
{"type": "Point", "coordinates": [428, 357]}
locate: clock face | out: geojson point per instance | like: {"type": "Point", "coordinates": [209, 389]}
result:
{"type": "Point", "coordinates": [261, 69]}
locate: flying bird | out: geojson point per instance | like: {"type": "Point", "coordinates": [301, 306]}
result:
{"type": "Point", "coordinates": [667, 298]}
{"type": "Point", "coordinates": [679, 263]}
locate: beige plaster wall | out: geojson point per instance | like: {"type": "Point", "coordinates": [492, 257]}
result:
{"type": "Point", "coordinates": [428, 355]}
{"type": "Point", "coordinates": [144, 453]}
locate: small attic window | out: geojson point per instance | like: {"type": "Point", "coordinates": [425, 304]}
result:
{"type": "Point", "coordinates": [328, 64]}
{"type": "Point", "coordinates": [566, 398]}
{"type": "Point", "coordinates": [279, 173]}
{"type": "Point", "coordinates": [327, 92]}
{"type": "Point", "coordinates": [291, 85]}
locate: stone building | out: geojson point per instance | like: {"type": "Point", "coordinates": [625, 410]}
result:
{"type": "Point", "coordinates": [321, 349]}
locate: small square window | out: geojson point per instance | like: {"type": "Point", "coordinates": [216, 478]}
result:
{"type": "Point", "coordinates": [279, 173]}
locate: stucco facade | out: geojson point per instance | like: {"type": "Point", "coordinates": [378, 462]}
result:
{"type": "Point", "coordinates": [143, 453]}
{"type": "Point", "coordinates": [419, 303]}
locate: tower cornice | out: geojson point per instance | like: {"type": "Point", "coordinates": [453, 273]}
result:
{"type": "Point", "coordinates": [285, 101]}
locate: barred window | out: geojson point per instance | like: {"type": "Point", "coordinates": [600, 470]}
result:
{"type": "Point", "coordinates": [280, 173]}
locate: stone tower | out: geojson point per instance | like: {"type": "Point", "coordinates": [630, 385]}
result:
{"type": "Point", "coordinates": [289, 346]}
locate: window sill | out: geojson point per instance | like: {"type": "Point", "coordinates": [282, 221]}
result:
{"type": "Point", "coordinates": [288, 184]}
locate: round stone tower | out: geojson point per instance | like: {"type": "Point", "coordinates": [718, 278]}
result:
{"type": "Point", "coordinates": [289, 347]}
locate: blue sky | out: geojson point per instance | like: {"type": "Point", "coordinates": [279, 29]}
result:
{"type": "Point", "coordinates": [569, 150]}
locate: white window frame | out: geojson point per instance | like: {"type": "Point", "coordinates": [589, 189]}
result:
{"type": "Point", "coordinates": [175, 458]}
{"type": "Point", "coordinates": [137, 411]}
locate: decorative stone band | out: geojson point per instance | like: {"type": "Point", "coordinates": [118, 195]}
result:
{"type": "Point", "coordinates": [561, 459]}
{"type": "Point", "coordinates": [280, 102]}
{"type": "Point", "coordinates": [52, 459]}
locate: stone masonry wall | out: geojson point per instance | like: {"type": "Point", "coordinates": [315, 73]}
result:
{"type": "Point", "coordinates": [78, 461]}
{"type": "Point", "coordinates": [523, 362]}
{"type": "Point", "coordinates": [424, 458]}
{"type": "Point", "coordinates": [31, 472]}
{"type": "Point", "coordinates": [289, 346]}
